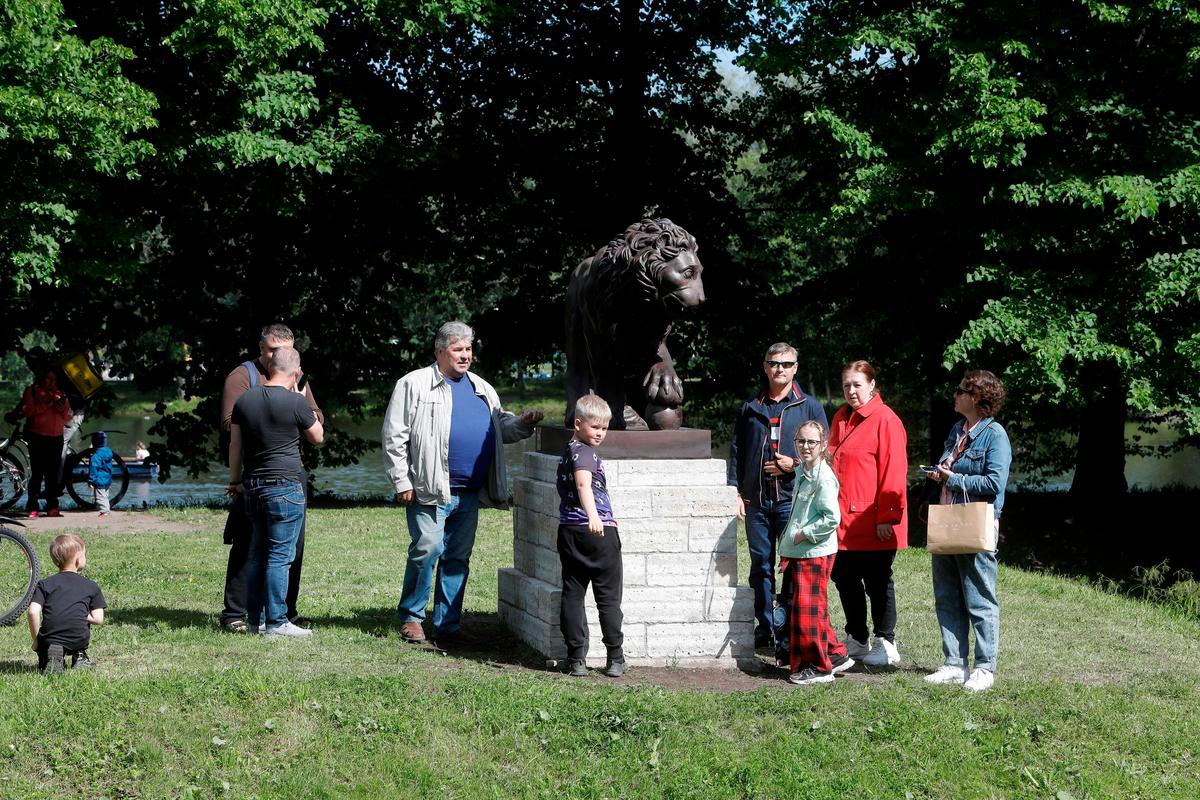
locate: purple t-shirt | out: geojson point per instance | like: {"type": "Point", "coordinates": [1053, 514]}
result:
{"type": "Point", "coordinates": [577, 455]}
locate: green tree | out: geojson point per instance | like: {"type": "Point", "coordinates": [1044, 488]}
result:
{"type": "Point", "coordinates": [1016, 188]}
{"type": "Point", "coordinates": [364, 171]}
{"type": "Point", "coordinates": [70, 134]}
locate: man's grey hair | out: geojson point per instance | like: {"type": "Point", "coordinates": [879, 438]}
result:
{"type": "Point", "coordinates": [284, 360]}
{"type": "Point", "coordinates": [592, 408]}
{"type": "Point", "coordinates": [781, 347]}
{"type": "Point", "coordinates": [450, 333]}
{"type": "Point", "coordinates": [279, 331]}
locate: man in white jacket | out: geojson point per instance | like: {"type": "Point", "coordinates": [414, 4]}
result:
{"type": "Point", "coordinates": [443, 448]}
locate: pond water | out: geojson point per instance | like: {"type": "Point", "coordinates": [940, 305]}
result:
{"type": "Point", "coordinates": [366, 478]}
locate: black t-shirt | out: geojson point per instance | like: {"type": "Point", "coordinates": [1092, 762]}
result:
{"type": "Point", "coordinates": [66, 599]}
{"type": "Point", "coordinates": [271, 419]}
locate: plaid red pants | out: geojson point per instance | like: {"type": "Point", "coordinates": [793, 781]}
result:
{"type": "Point", "coordinates": [811, 638]}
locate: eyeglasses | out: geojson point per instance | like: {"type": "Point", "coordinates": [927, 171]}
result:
{"type": "Point", "coordinates": [808, 442]}
{"type": "Point", "coordinates": [961, 390]}
{"type": "Point", "coordinates": [781, 364]}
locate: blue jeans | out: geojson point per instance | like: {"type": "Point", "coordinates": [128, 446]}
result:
{"type": "Point", "coordinates": [964, 593]}
{"type": "Point", "coordinates": [445, 534]}
{"type": "Point", "coordinates": [276, 510]}
{"type": "Point", "coordinates": [764, 526]}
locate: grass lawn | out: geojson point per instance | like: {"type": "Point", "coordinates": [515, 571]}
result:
{"type": "Point", "coordinates": [1096, 698]}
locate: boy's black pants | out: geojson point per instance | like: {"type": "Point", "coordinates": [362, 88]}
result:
{"type": "Point", "coordinates": [587, 558]}
{"type": "Point", "coordinates": [43, 652]}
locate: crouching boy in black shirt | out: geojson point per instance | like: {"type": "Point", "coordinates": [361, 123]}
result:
{"type": "Point", "coordinates": [64, 607]}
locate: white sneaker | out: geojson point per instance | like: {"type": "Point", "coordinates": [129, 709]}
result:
{"type": "Point", "coordinates": [947, 674]}
{"type": "Point", "coordinates": [981, 680]}
{"type": "Point", "coordinates": [883, 654]}
{"type": "Point", "coordinates": [287, 629]}
{"type": "Point", "coordinates": [855, 648]}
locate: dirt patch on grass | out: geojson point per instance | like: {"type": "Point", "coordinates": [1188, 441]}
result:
{"type": "Point", "coordinates": [486, 641]}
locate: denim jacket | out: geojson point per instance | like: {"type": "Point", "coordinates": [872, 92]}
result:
{"type": "Point", "coordinates": [982, 471]}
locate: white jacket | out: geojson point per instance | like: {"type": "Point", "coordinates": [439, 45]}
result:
{"type": "Point", "coordinates": [416, 438]}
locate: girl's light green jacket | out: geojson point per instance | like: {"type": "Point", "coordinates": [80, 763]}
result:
{"type": "Point", "coordinates": [815, 515]}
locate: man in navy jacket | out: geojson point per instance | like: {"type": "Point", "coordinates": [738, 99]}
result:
{"type": "Point", "coordinates": [762, 465]}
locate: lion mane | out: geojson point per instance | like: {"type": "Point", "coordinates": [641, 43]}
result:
{"type": "Point", "coordinates": [618, 311]}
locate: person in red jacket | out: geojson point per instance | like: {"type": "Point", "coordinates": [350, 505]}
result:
{"type": "Point", "coordinates": [870, 459]}
{"type": "Point", "coordinates": [48, 410]}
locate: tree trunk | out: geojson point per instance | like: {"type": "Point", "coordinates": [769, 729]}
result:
{"type": "Point", "coordinates": [1100, 457]}
{"type": "Point", "coordinates": [630, 110]}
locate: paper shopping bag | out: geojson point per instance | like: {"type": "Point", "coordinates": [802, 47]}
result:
{"type": "Point", "coordinates": [961, 528]}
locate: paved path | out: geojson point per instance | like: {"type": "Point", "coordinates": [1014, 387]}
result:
{"type": "Point", "coordinates": [119, 521]}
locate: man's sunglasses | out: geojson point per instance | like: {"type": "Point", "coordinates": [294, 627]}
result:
{"type": "Point", "coordinates": [781, 364]}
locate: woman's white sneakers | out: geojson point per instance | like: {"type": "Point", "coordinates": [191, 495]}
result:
{"type": "Point", "coordinates": [947, 674]}
{"type": "Point", "coordinates": [978, 680]}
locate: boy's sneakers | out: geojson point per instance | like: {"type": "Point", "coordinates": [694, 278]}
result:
{"type": "Point", "coordinates": [54, 512]}
{"type": "Point", "coordinates": [33, 514]}
{"type": "Point", "coordinates": [842, 664]}
{"type": "Point", "coordinates": [104, 513]}
{"type": "Point", "coordinates": [287, 629]}
{"type": "Point", "coordinates": [81, 661]}
{"type": "Point", "coordinates": [883, 654]}
{"type": "Point", "coordinates": [947, 674]}
{"type": "Point", "coordinates": [578, 669]}
{"type": "Point", "coordinates": [981, 680]}
{"type": "Point", "coordinates": [615, 669]}
{"type": "Point", "coordinates": [855, 648]}
{"type": "Point", "coordinates": [809, 675]}
{"type": "Point", "coordinates": [54, 660]}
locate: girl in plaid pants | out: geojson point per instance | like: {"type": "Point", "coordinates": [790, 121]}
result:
{"type": "Point", "coordinates": [807, 549]}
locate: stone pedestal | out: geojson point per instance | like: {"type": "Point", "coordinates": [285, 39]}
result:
{"type": "Point", "coordinates": [681, 601]}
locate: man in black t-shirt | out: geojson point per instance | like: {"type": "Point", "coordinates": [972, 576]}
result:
{"type": "Point", "coordinates": [264, 465]}
{"type": "Point", "coordinates": [64, 607]}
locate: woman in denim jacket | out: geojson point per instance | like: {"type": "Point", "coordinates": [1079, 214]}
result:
{"type": "Point", "coordinates": [973, 468]}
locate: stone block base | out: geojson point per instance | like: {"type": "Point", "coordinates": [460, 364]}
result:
{"type": "Point", "coordinates": [681, 601]}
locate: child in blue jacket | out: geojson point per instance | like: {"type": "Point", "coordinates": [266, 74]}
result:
{"type": "Point", "coordinates": [100, 470]}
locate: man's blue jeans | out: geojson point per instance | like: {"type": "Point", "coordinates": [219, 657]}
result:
{"type": "Point", "coordinates": [764, 525]}
{"type": "Point", "coordinates": [276, 510]}
{"type": "Point", "coordinates": [964, 594]}
{"type": "Point", "coordinates": [445, 534]}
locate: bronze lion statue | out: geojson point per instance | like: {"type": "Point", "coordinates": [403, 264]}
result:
{"type": "Point", "coordinates": [620, 305]}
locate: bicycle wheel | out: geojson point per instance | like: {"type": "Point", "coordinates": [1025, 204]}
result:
{"type": "Point", "coordinates": [77, 479]}
{"type": "Point", "coordinates": [12, 482]}
{"type": "Point", "coordinates": [20, 571]}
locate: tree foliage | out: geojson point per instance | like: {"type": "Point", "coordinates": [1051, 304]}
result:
{"type": "Point", "coordinates": [69, 135]}
{"type": "Point", "coordinates": [365, 171]}
{"type": "Point", "coordinates": [1012, 188]}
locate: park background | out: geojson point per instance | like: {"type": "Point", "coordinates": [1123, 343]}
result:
{"type": "Point", "coordinates": [932, 186]}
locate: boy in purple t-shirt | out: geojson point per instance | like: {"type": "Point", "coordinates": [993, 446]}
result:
{"type": "Point", "coordinates": [588, 545]}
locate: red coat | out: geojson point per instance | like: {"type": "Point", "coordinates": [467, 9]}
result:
{"type": "Point", "coordinates": [870, 459]}
{"type": "Point", "coordinates": [47, 410]}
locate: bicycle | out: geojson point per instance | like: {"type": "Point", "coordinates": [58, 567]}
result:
{"type": "Point", "coordinates": [14, 472]}
{"type": "Point", "coordinates": [20, 571]}
{"type": "Point", "coordinates": [14, 467]}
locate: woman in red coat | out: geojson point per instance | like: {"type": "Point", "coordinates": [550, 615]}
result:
{"type": "Point", "coordinates": [48, 410]}
{"type": "Point", "coordinates": [870, 459]}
